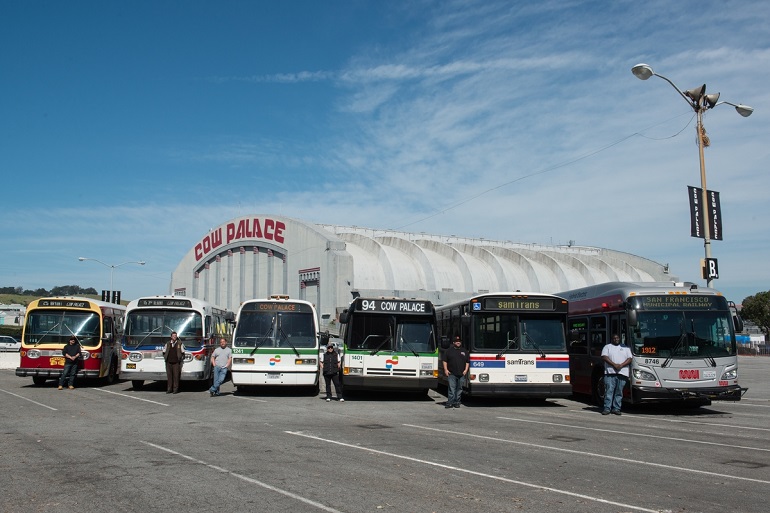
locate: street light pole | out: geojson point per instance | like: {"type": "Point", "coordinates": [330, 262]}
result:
{"type": "Point", "coordinates": [112, 268]}
{"type": "Point", "coordinates": [700, 102]}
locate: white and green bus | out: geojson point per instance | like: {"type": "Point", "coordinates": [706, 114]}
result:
{"type": "Point", "coordinates": [389, 344]}
{"type": "Point", "coordinates": [276, 343]}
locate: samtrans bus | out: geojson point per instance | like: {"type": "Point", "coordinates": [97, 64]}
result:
{"type": "Point", "coordinates": [516, 342]}
{"type": "Point", "coordinates": [389, 344]}
{"type": "Point", "coordinates": [276, 343]}
{"type": "Point", "coordinates": [149, 323]}
{"type": "Point", "coordinates": [50, 322]}
{"type": "Point", "coordinates": [682, 338]}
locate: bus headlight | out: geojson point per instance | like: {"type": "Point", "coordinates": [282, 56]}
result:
{"type": "Point", "coordinates": [353, 371]}
{"type": "Point", "coordinates": [85, 355]}
{"type": "Point", "coordinates": [135, 357]}
{"type": "Point", "coordinates": [305, 361]}
{"type": "Point", "coordinates": [188, 357]}
{"type": "Point", "coordinates": [33, 353]}
{"type": "Point", "coordinates": [644, 375]}
{"type": "Point", "coordinates": [731, 374]}
{"type": "Point", "coordinates": [427, 373]}
{"type": "Point", "coordinates": [557, 378]}
{"type": "Point", "coordinates": [243, 360]}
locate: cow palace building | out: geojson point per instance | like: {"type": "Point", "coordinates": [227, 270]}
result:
{"type": "Point", "coordinates": [256, 256]}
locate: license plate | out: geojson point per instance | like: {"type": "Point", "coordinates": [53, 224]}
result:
{"type": "Point", "coordinates": [130, 366]}
{"type": "Point", "coordinates": [56, 362]}
{"type": "Point", "coordinates": [273, 375]}
{"type": "Point", "coordinates": [710, 374]}
{"type": "Point", "coordinates": [520, 378]}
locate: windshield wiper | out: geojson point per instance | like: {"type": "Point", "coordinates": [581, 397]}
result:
{"type": "Point", "coordinates": [534, 344]}
{"type": "Point", "coordinates": [682, 337]}
{"type": "Point", "coordinates": [282, 334]}
{"type": "Point", "coordinates": [145, 337]}
{"type": "Point", "coordinates": [264, 338]}
{"type": "Point", "coordinates": [379, 347]}
{"type": "Point", "coordinates": [510, 344]}
{"type": "Point", "coordinates": [407, 344]}
{"type": "Point", "coordinates": [46, 333]}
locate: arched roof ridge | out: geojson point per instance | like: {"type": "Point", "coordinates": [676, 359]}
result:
{"type": "Point", "coordinates": [521, 262]}
{"type": "Point", "coordinates": [552, 265]}
{"type": "Point", "coordinates": [416, 253]}
{"type": "Point", "coordinates": [586, 266]}
{"type": "Point", "coordinates": [374, 248]}
{"type": "Point", "coordinates": [486, 256]}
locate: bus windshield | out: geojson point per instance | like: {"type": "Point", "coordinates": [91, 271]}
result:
{"type": "Point", "coordinates": [415, 337]}
{"type": "Point", "coordinates": [56, 327]}
{"type": "Point", "coordinates": [276, 330]}
{"type": "Point", "coordinates": [518, 333]}
{"type": "Point", "coordinates": [683, 334]}
{"type": "Point", "coordinates": [153, 328]}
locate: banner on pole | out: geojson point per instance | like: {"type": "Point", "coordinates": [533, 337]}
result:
{"type": "Point", "coordinates": [713, 214]}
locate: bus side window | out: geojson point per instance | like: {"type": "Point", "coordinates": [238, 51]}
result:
{"type": "Point", "coordinates": [598, 334]}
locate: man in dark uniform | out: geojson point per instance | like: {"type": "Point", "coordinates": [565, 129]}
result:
{"type": "Point", "coordinates": [456, 364]}
{"type": "Point", "coordinates": [173, 353]}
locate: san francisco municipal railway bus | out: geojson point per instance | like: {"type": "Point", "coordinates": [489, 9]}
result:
{"type": "Point", "coordinates": [149, 323]}
{"type": "Point", "coordinates": [516, 342]}
{"type": "Point", "coordinates": [276, 343]}
{"type": "Point", "coordinates": [682, 339]}
{"type": "Point", "coordinates": [48, 326]}
{"type": "Point", "coordinates": [389, 344]}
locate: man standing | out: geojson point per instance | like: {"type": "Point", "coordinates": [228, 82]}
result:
{"type": "Point", "coordinates": [617, 359]}
{"type": "Point", "coordinates": [71, 353]}
{"type": "Point", "coordinates": [221, 359]}
{"type": "Point", "coordinates": [173, 353]}
{"type": "Point", "coordinates": [330, 368]}
{"type": "Point", "coordinates": [456, 364]}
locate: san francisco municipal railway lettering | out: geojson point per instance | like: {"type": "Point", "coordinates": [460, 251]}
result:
{"type": "Point", "coordinates": [386, 305]}
{"type": "Point", "coordinates": [678, 301]}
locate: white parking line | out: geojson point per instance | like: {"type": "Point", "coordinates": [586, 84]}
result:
{"type": "Point", "coordinates": [592, 454]}
{"type": "Point", "coordinates": [615, 431]}
{"type": "Point", "coordinates": [248, 398]}
{"type": "Point", "coordinates": [30, 400]}
{"type": "Point", "coordinates": [307, 501]}
{"type": "Point", "coordinates": [130, 396]}
{"type": "Point", "coordinates": [472, 472]}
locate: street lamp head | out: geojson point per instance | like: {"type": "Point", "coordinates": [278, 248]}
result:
{"type": "Point", "coordinates": [744, 110]}
{"type": "Point", "coordinates": [642, 71]}
{"type": "Point", "coordinates": [82, 258]}
{"type": "Point", "coordinates": [141, 262]}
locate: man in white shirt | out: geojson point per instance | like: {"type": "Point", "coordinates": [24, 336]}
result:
{"type": "Point", "coordinates": [617, 359]}
{"type": "Point", "coordinates": [221, 359]}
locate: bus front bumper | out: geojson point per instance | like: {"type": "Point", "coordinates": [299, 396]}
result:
{"type": "Point", "coordinates": [358, 382]}
{"type": "Point", "coordinates": [653, 394]}
{"type": "Point", "coordinates": [53, 373]}
{"type": "Point", "coordinates": [521, 390]}
{"type": "Point", "coordinates": [159, 376]}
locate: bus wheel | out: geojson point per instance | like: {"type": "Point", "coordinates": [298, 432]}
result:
{"type": "Point", "coordinates": [597, 390]}
{"type": "Point", "coordinates": [137, 384]}
{"type": "Point", "coordinates": [38, 380]}
{"type": "Point", "coordinates": [112, 374]}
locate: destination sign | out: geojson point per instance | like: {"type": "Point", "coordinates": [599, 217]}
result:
{"type": "Point", "coordinates": [161, 301]}
{"type": "Point", "coordinates": [519, 303]}
{"type": "Point", "coordinates": [276, 306]}
{"type": "Point", "coordinates": [64, 303]}
{"type": "Point", "coordinates": [680, 301]}
{"type": "Point", "coordinates": [401, 306]}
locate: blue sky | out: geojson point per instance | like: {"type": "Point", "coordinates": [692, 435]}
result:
{"type": "Point", "coordinates": [129, 129]}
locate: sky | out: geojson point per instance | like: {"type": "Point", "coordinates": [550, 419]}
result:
{"type": "Point", "coordinates": [129, 129]}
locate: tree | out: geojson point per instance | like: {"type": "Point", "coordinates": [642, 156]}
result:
{"type": "Point", "coordinates": [756, 309]}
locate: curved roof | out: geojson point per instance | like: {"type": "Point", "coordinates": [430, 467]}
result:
{"type": "Point", "coordinates": [390, 260]}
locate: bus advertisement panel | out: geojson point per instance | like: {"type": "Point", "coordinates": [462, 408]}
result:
{"type": "Point", "coordinates": [682, 339]}
{"type": "Point", "coordinates": [276, 343]}
{"type": "Point", "coordinates": [389, 344]}
{"type": "Point", "coordinates": [149, 323]}
{"type": "Point", "coordinates": [516, 342]}
{"type": "Point", "coordinates": [50, 322]}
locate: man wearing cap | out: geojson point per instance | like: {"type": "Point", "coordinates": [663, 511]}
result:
{"type": "Point", "coordinates": [71, 353]}
{"type": "Point", "coordinates": [456, 364]}
{"type": "Point", "coordinates": [330, 367]}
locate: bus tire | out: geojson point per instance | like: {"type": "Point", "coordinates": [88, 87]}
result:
{"type": "Point", "coordinates": [137, 384]}
{"type": "Point", "coordinates": [112, 373]}
{"type": "Point", "coordinates": [597, 390]}
{"type": "Point", "coordinates": [38, 380]}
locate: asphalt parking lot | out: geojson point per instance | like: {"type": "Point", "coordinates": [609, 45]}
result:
{"type": "Point", "coordinates": [110, 447]}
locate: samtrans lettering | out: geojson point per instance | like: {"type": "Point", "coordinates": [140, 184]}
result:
{"type": "Point", "coordinates": [267, 229]}
{"type": "Point", "coordinates": [520, 362]}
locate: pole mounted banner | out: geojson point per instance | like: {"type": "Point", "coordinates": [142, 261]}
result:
{"type": "Point", "coordinates": [697, 217]}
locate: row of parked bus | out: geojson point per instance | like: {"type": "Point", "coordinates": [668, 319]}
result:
{"type": "Point", "coordinates": [526, 345]}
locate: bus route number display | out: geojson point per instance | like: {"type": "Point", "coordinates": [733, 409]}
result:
{"type": "Point", "coordinates": [393, 306]}
{"type": "Point", "coordinates": [180, 303]}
